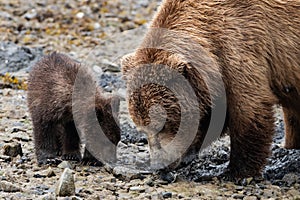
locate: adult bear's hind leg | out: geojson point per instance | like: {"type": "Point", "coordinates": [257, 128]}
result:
{"type": "Point", "coordinates": [292, 128]}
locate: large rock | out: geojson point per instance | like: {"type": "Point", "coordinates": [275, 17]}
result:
{"type": "Point", "coordinates": [66, 184]}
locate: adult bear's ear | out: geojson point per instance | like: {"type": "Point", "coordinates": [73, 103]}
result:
{"type": "Point", "coordinates": [178, 63]}
{"type": "Point", "coordinates": [127, 62]}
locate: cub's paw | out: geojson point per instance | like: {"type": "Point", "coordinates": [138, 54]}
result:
{"type": "Point", "coordinates": [73, 156]}
{"type": "Point", "coordinates": [45, 157]}
{"type": "Point", "coordinates": [49, 161]}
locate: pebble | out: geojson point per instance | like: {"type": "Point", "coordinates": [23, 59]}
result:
{"type": "Point", "coordinates": [109, 186]}
{"type": "Point", "coordinates": [239, 188]}
{"type": "Point", "coordinates": [110, 66]}
{"type": "Point", "coordinates": [167, 195]}
{"type": "Point", "coordinates": [128, 174]}
{"type": "Point", "coordinates": [6, 186]}
{"type": "Point", "coordinates": [238, 196]}
{"type": "Point", "coordinates": [65, 164]}
{"type": "Point", "coordinates": [250, 198]}
{"type": "Point", "coordinates": [97, 69]}
{"type": "Point", "coordinates": [24, 137]}
{"type": "Point", "coordinates": [5, 158]}
{"type": "Point", "coordinates": [80, 15]}
{"type": "Point", "coordinates": [50, 196]}
{"type": "Point", "coordinates": [139, 189]}
{"type": "Point", "coordinates": [46, 173]}
{"type": "Point", "coordinates": [295, 193]}
{"type": "Point", "coordinates": [69, 198]}
{"type": "Point", "coordinates": [30, 14]}
{"type": "Point", "coordinates": [12, 149]}
{"type": "Point", "coordinates": [66, 185]}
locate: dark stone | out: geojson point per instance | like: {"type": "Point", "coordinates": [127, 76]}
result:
{"type": "Point", "coordinates": [14, 58]}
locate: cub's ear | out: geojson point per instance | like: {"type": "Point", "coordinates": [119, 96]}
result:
{"type": "Point", "coordinates": [127, 62]}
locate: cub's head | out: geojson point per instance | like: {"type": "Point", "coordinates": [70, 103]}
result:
{"type": "Point", "coordinates": [167, 99]}
{"type": "Point", "coordinates": [107, 111]}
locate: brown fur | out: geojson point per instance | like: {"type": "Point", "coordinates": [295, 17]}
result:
{"type": "Point", "coordinates": [50, 88]}
{"type": "Point", "coordinates": [253, 44]}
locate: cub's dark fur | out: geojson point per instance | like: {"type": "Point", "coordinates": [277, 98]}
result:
{"type": "Point", "coordinates": [50, 92]}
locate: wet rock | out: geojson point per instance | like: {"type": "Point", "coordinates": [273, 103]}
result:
{"type": "Point", "coordinates": [167, 195]}
{"type": "Point", "coordinates": [169, 177]}
{"type": "Point", "coordinates": [214, 160]}
{"type": "Point", "coordinates": [6, 186]}
{"type": "Point", "coordinates": [38, 175]}
{"type": "Point", "coordinates": [66, 185]}
{"type": "Point", "coordinates": [14, 58]}
{"type": "Point", "coordinates": [210, 163]}
{"type": "Point", "coordinates": [282, 162]}
{"type": "Point", "coordinates": [12, 149]}
{"type": "Point", "coordinates": [291, 179]}
{"type": "Point", "coordinates": [131, 135]}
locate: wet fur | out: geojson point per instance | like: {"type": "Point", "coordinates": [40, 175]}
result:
{"type": "Point", "coordinates": [254, 44]}
{"type": "Point", "coordinates": [50, 88]}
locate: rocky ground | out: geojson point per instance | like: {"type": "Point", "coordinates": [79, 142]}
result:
{"type": "Point", "coordinates": [98, 34]}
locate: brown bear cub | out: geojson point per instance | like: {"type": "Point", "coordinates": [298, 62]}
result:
{"type": "Point", "coordinates": [250, 50]}
{"type": "Point", "coordinates": [51, 105]}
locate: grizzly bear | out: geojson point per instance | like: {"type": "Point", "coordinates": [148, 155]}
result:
{"type": "Point", "coordinates": [53, 107]}
{"type": "Point", "coordinates": [239, 56]}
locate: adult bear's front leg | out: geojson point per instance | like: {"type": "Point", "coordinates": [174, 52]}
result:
{"type": "Point", "coordinates": [251, 126]}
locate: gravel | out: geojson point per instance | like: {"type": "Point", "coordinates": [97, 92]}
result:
{"type": "Point", "coordinates": [98, 34]}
